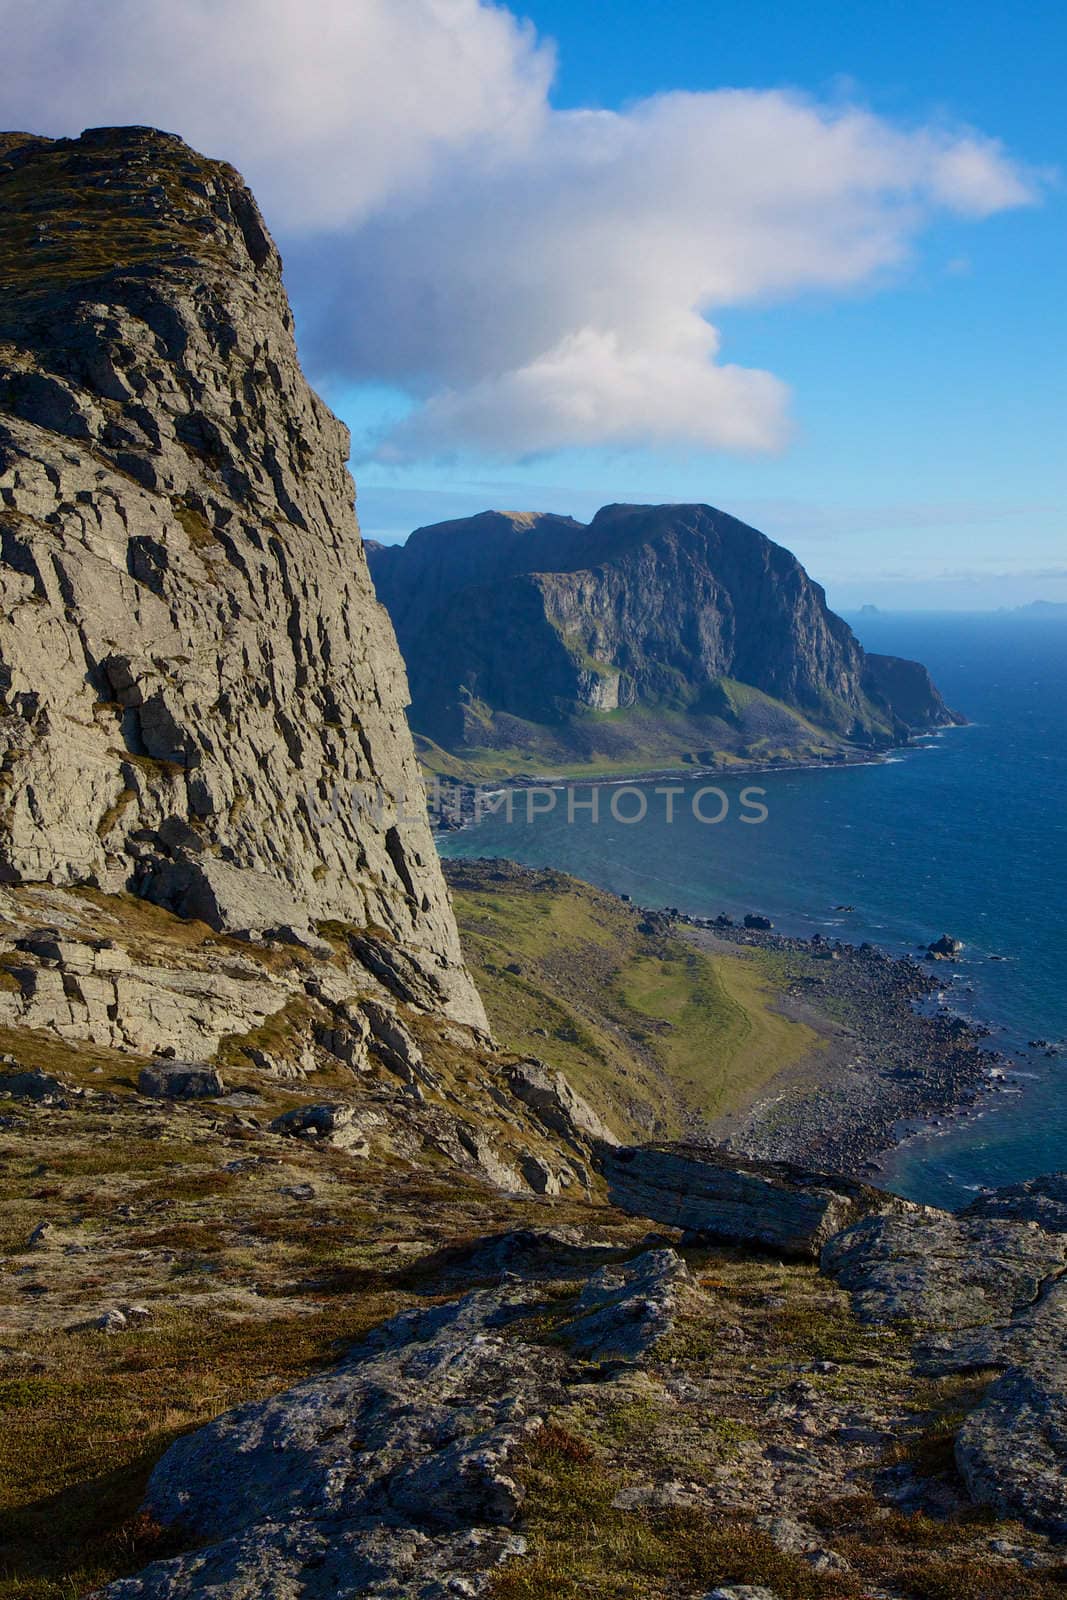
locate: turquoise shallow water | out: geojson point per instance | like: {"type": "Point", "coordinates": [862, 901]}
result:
{"type": "Point", "coordinates": [967, 834]}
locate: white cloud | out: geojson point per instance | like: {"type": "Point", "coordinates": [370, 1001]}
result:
{"type": "Point", "coordinates": [330, 107]}
{"type": "Point", "coordinates": [531, 278]}
{"type": "Point", "coordinates": [594, 387]}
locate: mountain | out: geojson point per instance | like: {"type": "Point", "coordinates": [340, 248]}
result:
{"type": "Point", "coordinates": [308, 1286]}
{"type": "Point", "coordinates": [202, 701]}
{"type": "Point", "coordinates": [650, 629]}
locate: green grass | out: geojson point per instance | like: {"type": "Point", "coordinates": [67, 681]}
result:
{"type": "Point", "coordinates": [581, 1545]}
{"type": "Point", "coordinates": [725, 1041]}
{"type": "Point", "coordinates": [635, 740]}
{"type": "Point", "coordinates": [90, 230]}
{"type": "Point", "coordinates": [634, 1021]}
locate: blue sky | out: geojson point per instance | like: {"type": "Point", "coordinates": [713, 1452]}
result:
{"type": "Point", "coordinates": [927, 466]}
{"type": "Point", "coordinates": [802, 261]}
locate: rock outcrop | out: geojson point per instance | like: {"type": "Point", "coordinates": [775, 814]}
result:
{"type": "Point", "coordinates": [394, 1474]}
{"type": "Point", "coordinates": [511, 622]}
{"type": "Point", "coordinates": [713, 1194]}
{"type": "Point", "coordinates": [200, 699]}
{"type": "Point", "coordinates": [985, 1292]}
{"type": "Point", "coordinates": [1042, 1200]}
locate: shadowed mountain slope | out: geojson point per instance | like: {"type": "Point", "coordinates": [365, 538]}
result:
{"type": "Point", "coordinates": [650, 628]}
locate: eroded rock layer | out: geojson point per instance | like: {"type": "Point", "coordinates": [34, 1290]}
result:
{"type": "Point", "coordinates": [201, 699]}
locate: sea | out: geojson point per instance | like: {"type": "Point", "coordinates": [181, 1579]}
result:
{"type": "Point", "coordinates": [966, 834]}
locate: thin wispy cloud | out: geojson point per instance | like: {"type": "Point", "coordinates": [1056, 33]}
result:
{"type": "Point", "coordinates": [530, 278]}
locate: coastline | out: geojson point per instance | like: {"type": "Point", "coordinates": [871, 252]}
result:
{"type": "Point", "coordinates": [463, 792]}
{"type": "Point", "coordinates": [896, 1062]}
{"type": "Point", "coordinates": [895, 1058]}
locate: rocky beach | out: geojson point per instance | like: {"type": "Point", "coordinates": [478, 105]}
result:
{"type": "Point", "coordinates": [886, 1053]}
{"type": "Point", "coordinates": [893, 1054]}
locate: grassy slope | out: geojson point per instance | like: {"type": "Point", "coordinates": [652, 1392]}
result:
{"type": "Point", "coordinates": [635, 1020]}
{"type": "Point", "coordinates": [754, 730]}
{"type": "Point", "coordinates": [250, 1290]}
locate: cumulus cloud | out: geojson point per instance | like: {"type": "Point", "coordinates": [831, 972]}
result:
{"type": "Point", "coordinates": [531, 278]}
{"type": "Point", "coordinates": [330, 107]}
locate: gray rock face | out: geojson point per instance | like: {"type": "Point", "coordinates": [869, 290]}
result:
{"type": "Point", "coordinates": [86, 985]}
{"type": "Point", "coordinates": [180, 1080]}
{"type": "Point", "coordinates": [555, 1103]}
{"type": "Point", "coordinates": [647, 606]}
{"type": "Point", "coordinates": [940, 1271]}
{"type": "Point", "coordinates": [200, 698]}
{"type": "Point", "coordinates": [393, 1474]}
{"type": "Point", "coordinates": [986, 1289]}
{"type": "Point", "coordinates": [623, 1311]}
{"type": "Point", "coordinates": [1012, 1450]}
{"type": "Point", "coordinates": [717, 1195]}
{"type": "Point", "coordinates": [338, 1124]}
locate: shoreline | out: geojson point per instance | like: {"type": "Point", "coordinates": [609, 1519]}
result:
{"type": "Point", "coordinates": [894, 1060]}
{"type": "Point", "coordinates": [882, 1055]}
{"type": "Point", "coordinates": [464, 791]}
{"type": "Point", "coordinates": [891, 1065]}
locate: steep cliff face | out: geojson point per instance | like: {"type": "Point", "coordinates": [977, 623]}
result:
{"type": "Point", "coordinates": [657, 607]}
{"type": "Point", "coordinates": [202, 700]}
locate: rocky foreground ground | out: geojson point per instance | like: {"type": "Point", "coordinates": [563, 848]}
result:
{"type": "Point", "coordinates": [505, 1395]}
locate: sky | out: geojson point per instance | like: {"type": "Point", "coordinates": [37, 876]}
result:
{"type": "Point", "coordinates": [803, 261]}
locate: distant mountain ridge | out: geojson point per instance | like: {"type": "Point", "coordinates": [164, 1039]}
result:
{"type": "Point", "coordinates": [670, 631]}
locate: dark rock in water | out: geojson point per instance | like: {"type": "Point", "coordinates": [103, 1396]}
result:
{"type": "Point", "coordinates": [945, 949]}
{"type": "Point", "coordinates": [714, 1194]}
{"type": "Point", "coordinates": [180, 1080]}
{"type": "Point", "coordinates": [1041, 1200]}
{"type": "Point", "coordinates": [762, 924]}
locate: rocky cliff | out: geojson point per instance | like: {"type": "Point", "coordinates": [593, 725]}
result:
{"type": "Point", "coordinates": [667, 611]}
{"type": "Point", "coordinates": [229, 1161]}
{"type": "Point", "coordinates": [201, 699]}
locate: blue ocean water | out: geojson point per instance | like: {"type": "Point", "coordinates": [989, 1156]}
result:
{"type": "Point", "coordinates": [966, 834]}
